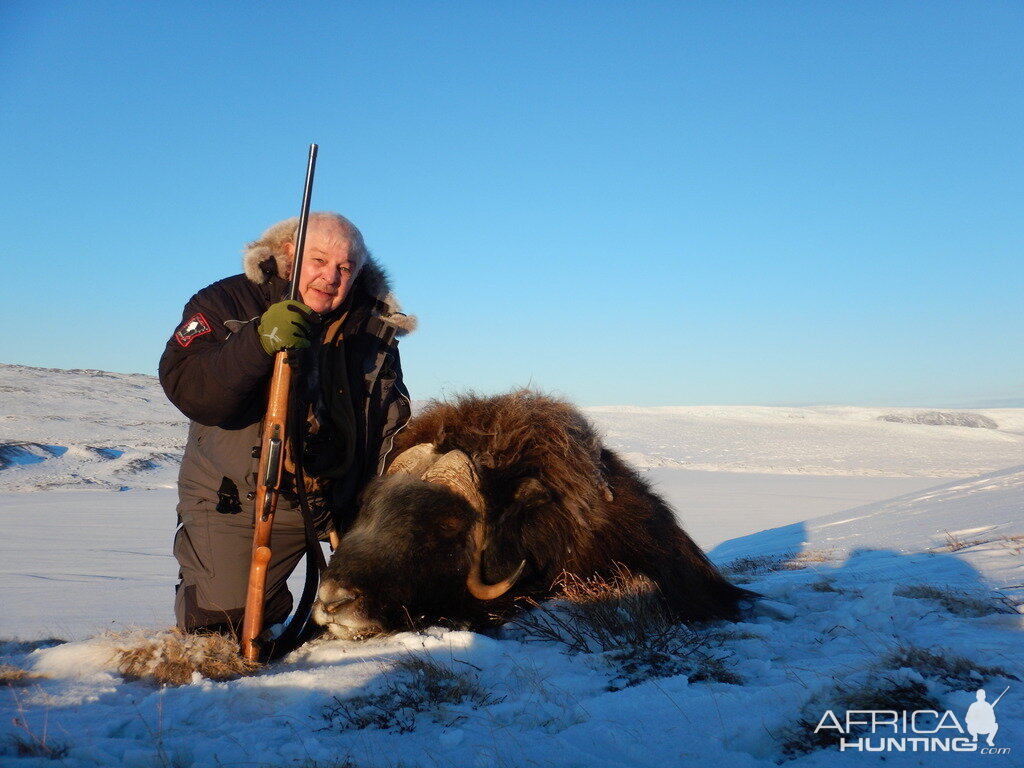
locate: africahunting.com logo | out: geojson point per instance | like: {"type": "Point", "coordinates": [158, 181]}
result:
{"type": "Point", "coordinates": [922, 730]}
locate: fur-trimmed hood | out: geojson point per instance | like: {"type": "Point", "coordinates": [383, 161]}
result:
{"type": "Point", "coordinates": [265, 258]}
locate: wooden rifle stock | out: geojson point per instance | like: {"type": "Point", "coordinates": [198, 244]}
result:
{"type": "Point", "coordinates": [271, 453]}
{"type": "Point", "coordinates": [272, 445]}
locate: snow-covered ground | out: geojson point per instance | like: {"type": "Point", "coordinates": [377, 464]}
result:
{"type": "Point", "coordinates": [888, 542]}
{"type": "Point", "coordinates": [87, 430]}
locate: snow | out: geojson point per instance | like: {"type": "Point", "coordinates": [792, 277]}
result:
{"type": "Point", "coordinates": [880, 547]}
{"type": "Point", "coordinates": [87, 429]}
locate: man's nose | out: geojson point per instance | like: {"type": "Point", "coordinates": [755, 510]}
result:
{"type": "Point", "coordinates": [334, 277]}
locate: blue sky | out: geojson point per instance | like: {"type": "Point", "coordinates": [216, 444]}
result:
{"type": "Point", "coordinates": [648, 203]}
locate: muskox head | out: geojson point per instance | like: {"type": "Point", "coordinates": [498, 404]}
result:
{"type": "Point", "coordinates": [415, 552]}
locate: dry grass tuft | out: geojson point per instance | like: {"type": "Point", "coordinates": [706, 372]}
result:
{"type": "Point", "coordinates": [951, 669]}
{"type": "Point", "coordinates": [751, 567]}
{"type": "Point", "coordinates": [954, 543]}
{"type": "Point", "coordinates": [890, 693]}
{"type": "Point", "coordinates": [1013, 543]}
{"type": "Point", "coordinates": [413, 685]}
{"type": "Point", "coordinates": [29, 741]}
{"type": "Point", "coordinates": [174, 657]}
{"type": "Point", "coordinates": [955, 601]}
{"type": "Point", "coordinates": [598, 615]}
{"type": "Point", "coordinates": [31, 745]}
{"type": "Point", "coordinates": [825, 585]}
{"type": "Point", "coordinates": [15, 676]}
{"type": "Point", "coordinates": [625, 619]}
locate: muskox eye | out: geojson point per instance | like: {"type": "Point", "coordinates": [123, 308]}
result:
{"type": "Point", "coordinates": [532, 492]}
{"type": "Point", "coordinates": [450, 525]}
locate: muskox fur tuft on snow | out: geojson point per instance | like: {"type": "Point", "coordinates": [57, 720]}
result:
{"type": "Point", "coordinates": [490, 499]}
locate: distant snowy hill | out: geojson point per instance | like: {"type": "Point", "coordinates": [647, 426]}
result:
{"type": "Point", "coordinates": [92, 429]}
{"type": "Point", "coordinates": [824, 440]}
{"type": "Point", "coordinates": [86, 429]}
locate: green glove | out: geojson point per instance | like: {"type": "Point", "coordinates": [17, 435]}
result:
{"type": "Point", "coordinates": [287, 325]}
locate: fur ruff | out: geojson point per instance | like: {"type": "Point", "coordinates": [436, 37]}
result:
{"type": "Point", "coordinates": [521, 429]}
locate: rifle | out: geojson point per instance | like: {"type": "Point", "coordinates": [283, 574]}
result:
{"type": "Point", "coordinates": [271, 452]}
{"type": "Point", "coordinates": [1000, 696]}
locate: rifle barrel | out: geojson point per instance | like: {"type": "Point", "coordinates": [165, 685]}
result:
{"type": "Point", "coordinates": [300, 237]}
{"type": "Point", "coordinates": [1000, 696]}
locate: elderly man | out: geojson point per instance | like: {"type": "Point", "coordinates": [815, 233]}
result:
{"type": "Point", "coordinates": [216, 368]}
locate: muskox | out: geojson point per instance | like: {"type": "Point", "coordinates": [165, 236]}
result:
{"type": "Point", "coordinates": [490, 499]}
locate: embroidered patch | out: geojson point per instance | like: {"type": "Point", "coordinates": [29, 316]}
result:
{"type": "Point", "coordinates": [191, 329]}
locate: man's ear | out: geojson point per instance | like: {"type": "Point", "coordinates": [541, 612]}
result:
{"type": "Point", "coordinates": [285, 270]}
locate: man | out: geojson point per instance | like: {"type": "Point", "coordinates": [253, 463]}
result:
{"type": "Point", "coordinates": [216, 369]}
{"type": "Point", "coordinates": [981, 718]}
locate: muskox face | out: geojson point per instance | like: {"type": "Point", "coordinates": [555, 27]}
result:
{"type": "Point", "coordinates": [403, 561]}
{"type": "Point", "coordinates": [415, 551]}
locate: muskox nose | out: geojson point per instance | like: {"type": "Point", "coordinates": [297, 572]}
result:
{"type": "Point", "coordinates": [334, 597]}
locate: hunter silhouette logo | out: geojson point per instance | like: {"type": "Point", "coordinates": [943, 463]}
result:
{"type": "Point", "coordinates": [923, 730]}
{"type": "Point", "coordinates": [191, 329]}
{"type": "Point", "coordinates": [981, 717]}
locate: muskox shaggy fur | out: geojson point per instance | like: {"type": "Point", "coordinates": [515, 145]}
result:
{"type": "Point", "coordinates": [552, 500]}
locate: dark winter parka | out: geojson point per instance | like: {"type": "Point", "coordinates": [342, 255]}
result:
{"type": "Point", "coordinates": [215, 370]}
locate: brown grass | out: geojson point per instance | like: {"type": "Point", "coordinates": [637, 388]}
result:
{"type": "Point", "coordinates": [825, 585]}
{"type": "Point", "coordinates": [413, 685]}
{"type": "Point", "coordinates": [625, 619]}
{"type": "Point", "coordinates": [15, 676]}
{"type": "Point", "coordinates": [27, 741]}
{"type": "Point", "coordinates": [1013, 543]}
{"type": "Point", "coordinates": [763, 564]}
{"type": "Point", "coordinates": [954, 543]}
{"type": "Point", "coordinates": [956, 602]}
{"type": "Point", "coordinates": [952, 669]}
{"type": "Point", "coordinates": [174, 657]}
{"type": "Point", "coordinates": [601, 614]}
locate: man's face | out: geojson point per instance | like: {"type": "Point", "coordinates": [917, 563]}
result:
{"type": "Point", "coordinates": [327, 271]}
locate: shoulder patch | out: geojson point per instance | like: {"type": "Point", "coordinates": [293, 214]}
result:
{"type": "Point", "coordinates": [192, 329]}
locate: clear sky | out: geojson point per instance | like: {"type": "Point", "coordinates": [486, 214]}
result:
{"type": "Point", "coordinates": [648, 203]}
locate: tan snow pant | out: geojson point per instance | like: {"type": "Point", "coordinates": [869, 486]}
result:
{"type": "Point", "coordinates": [214, 550]}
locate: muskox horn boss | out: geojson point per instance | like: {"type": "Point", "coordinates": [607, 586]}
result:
{"type": "Point", "coordinates": [414, 461]}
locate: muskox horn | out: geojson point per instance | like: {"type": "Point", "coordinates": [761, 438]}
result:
{"type": "Point", "coordinates": [414, 461]}
{"type": "Point", "coordinates": [455, 471]}
{"type": "Point", "coordinates": [477, 587]}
